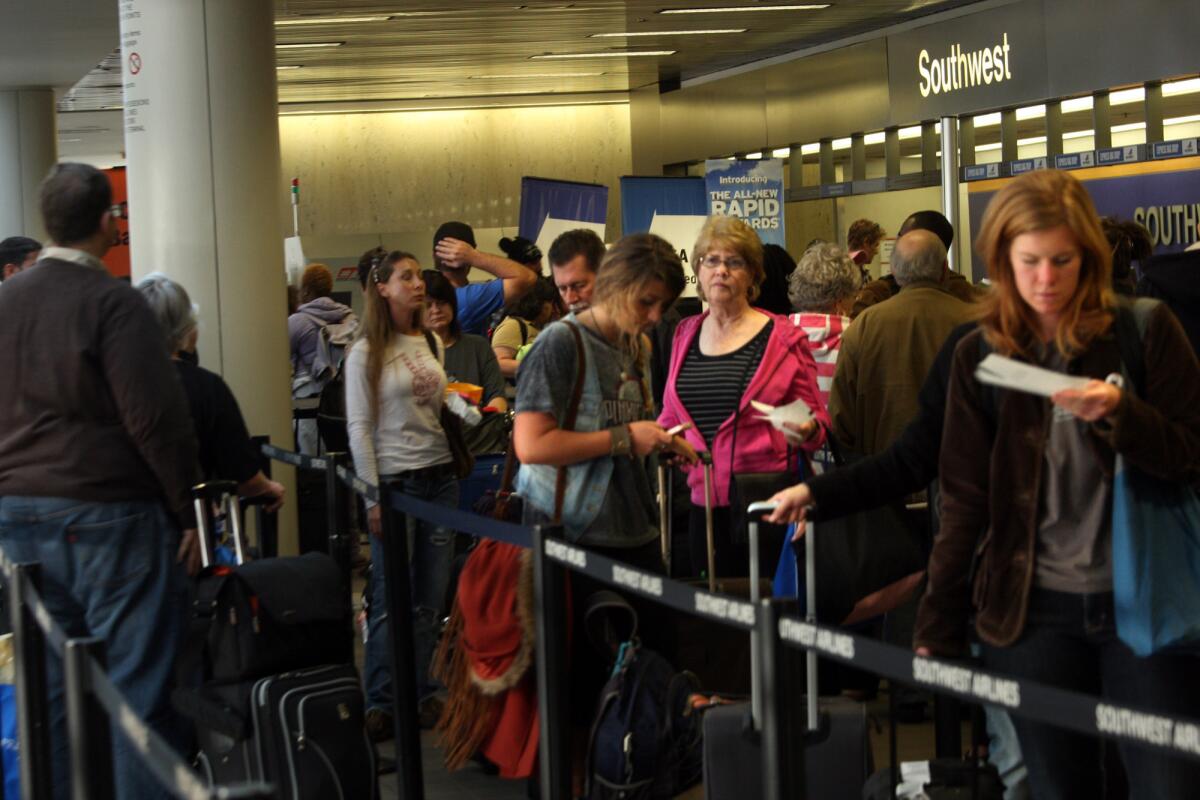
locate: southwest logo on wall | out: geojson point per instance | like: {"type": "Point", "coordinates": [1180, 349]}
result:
{"type": "Point", "coordinates": [117, 257]}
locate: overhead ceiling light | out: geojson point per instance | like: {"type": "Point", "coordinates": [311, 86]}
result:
{"type": "Point", "coordinates": [606, 54]}
{"type": "Point", "coordinates": [879, 137]}
{"type": "Point", "coordinates": [1181, 87]}
{"type": "Point", "coordinates": [740, 9]}
{"type": "Point", "coordinates": [754, 156]}
{"type": "Point", "coordinates": [299, 45]}
{"type": "Point", "coordinates": [69, 141]}
{"type": "Point", "coordinates": [624, 34]}
{"type": "Point", "coordinates": [810, 149]}
{"type": "Point", "coordinates": [288, 66]}
{"type": "Point", "coordinates": [987, 120]}
{"type": "Point", "coordinates": [1077, 104]}
{"type": "Point", "coordinates": [911, 132]}
{"type": "Point", "coordinates": [536, 75]}
{"type": "Point", "coordinates": [1031, 112]}
{"type": "Point", "coordinates": [1079, 134]}
{"type": "Point", "coordinates": [1135, 95]}
{"type": "Point", "coordinates": [1182, 120]}
{"type": "Point", "coordinates": [289, 21]}
{"type": "Point", "coordinates": [1129, 126]}
{"type": "Point", "coordinates": [399, 110]}
{"type": "Point", "coordinates": [841, 144]}
{"type": "Point", "coordinates": [781, 152]}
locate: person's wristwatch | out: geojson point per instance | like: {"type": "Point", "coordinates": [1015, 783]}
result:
{"type": "Point", "coordinates": [621, 442]}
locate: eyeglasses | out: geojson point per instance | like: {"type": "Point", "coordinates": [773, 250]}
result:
{"type": "Point", "coordinates": [119, 210]}
{"type": "Point", "coordinates": [733, 264]}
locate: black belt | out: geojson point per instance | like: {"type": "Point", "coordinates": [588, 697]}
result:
{"type": "Point", "coordinates": [427, 473]}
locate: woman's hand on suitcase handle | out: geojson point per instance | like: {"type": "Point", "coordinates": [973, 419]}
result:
{"type": "Point", "coordinates": [375, 521]}
{"type": "Point", "coordinates": [188, 553]}
{"type": "Point", "coordinates": [791, 506]}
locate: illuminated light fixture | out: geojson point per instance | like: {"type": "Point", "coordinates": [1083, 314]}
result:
{"type": "Point", "coordinates": [781, 152]}
{"type": "Point", "coordinates": [299, 45]}
{"type": "Point", "coordinates": [1077, 104]}
{"type": "Point", "coordinates": [987, 120]}
{"type": "Point", "coordinates": [69, 141]}
{"type": "Point", "coordinates": [605, 54]}
{"type": "Point", "coordinates": [1182, 120]}
{"type": "Point", "coordinates": [1031, 140]}
{"type": "Point", "coordinates": [841, 144]}
{"type": "Point", "coordinates": [1079, 134]}
{"type": "Point", "coordinates": [810, 149]}
{"type": "Point", "coordinates": [911, 132]}
{"type": "Point", "coordinates": [1130, 126]}
{"type": "Point", "coordinates": [1189, 86]}
{"type": "Point", "coordinates": [536, 75]}
{"type": "Point", "coordinates": [624, 34]}
{"type": "Point", "coordinates": [740, 9]}
{"type": "Point", "coordinates": [879, 137]}
{"type": "Point", "coordinates": [986, 148]}
{"type": "Point", "coordinates": [402, 110]}
{"type": "Point", "coordinates": [288, 66]}
{"type": "Point", "coordinates": [1031, 112]}
{"type": "Point", "coordinates": [1125, 96]}
{"type": "Point", "coordinates": [288, 22]}
{"type": "Point", "coordinates": [754, 156]}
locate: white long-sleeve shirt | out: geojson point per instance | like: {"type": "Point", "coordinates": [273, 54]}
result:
{"type": "Point", "coordinates": [408, 433]}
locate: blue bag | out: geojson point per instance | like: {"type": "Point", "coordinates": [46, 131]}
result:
{"type": "Point", "coordinates": [1156, 561]}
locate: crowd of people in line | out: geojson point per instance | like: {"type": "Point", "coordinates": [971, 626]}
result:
{"type": "Point", "coordinates": [107, 420]}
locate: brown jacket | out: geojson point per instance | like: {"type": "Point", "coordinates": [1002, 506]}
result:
{"type": "Point", "coordinates": [990, 477]}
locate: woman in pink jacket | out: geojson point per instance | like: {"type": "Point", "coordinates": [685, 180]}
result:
{"type": "Point", "coordinates": [720, 361]}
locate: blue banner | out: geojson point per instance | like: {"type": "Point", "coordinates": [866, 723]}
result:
{"type": "Point", "coordinates": [751, 190]}
{"type": "Point", "coordinates": [1167, 203]}
{"type": "Point", "coordinates": [643, 198]}
{"type": "Point", "coordinates": [560, 200]}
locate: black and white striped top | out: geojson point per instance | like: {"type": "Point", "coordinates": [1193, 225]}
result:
{"type": "Point", "coordinates": [710, 387]}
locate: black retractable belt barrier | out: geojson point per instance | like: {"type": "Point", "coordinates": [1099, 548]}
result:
{"type": "Point", "coordinates": [87, 725]}
{"type": "Point", "coordinates": [550, 604]}
{"type": "Point", "coordinates": [783, 725]}
{"type": "Point", "coordinates": [33, 705]}
{"type": "Point", "coordinates": [267, 524]}
{"type": "Point", "coordinates": [398, 586]}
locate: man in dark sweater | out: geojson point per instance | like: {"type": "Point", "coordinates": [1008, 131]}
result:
{"type": "Point", "coordinates": [97, 456]}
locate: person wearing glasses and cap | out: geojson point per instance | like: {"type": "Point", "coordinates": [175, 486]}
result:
{"type": "Point", "coordinates": [454, 254]}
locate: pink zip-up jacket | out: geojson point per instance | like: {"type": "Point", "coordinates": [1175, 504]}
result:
{"type": "Point", "coordinates": [786, 372]}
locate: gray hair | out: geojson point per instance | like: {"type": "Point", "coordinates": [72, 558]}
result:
{"type": "Point", "coordinates": [824, 276]}
{"type": "Point", "coordinates": [171, 306]}
{"type": "Point", "coordinates": [919, 255]}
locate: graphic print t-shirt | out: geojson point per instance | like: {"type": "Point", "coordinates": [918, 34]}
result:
{"type": "Point", "coordinates": [628, 517]}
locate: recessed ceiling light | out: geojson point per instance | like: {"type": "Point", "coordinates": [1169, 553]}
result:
{"type": "Point", "coordinates": [754, 156]}
{"type": "Point", "coordinates": [607, 54]}
{"type": "Point", "coordinates": [288, 21]}
{"type": "Point", "coordinates": [69, 141]}
{"type": "Point", "coordinates": [288, 66]}
{"type": "Point", "coordinates": [536, 75]}
{"type": "Point", "coordinates": [740, 9]}
{"type": "Point", "coordinates": [1187, 86]}
{"type": "Point", "coordinates": [781, 152]}
{"type": "Point", "coordinates": [298, 45]}
{"type": "Point", "coordinates": [624, 34]}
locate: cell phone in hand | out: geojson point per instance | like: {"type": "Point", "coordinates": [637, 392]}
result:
{"type": "Point", "coordinates": [680, 428]}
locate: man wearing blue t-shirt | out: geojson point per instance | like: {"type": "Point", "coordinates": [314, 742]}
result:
{"type": "Point", "coordinates": [454, 254]}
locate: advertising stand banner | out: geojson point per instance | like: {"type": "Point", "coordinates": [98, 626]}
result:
{"type": "Point", "coordinates": [550, 207]}
{"type": "Point", "coordinates": [673, 208]}
{"type": "Point", "coordinates": [750, 190]}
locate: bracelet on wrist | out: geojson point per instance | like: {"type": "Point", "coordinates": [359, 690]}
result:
{"type": "Point", "coordinates": [621, 442]}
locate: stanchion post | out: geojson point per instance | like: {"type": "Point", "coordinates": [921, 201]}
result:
{"type": "Point", "coordinates": [337, 516]}
{"type": "Point", "coordinates": [88, 729]}
{"type": "Point", "coordinates": [268, 524]}
{"type": "Point", "coordinates": [33, 706]}
{"type": "Point", "coordinates": [550, 611]}
{"type": "Point", "coordinates": [398, 586]}
{"type": "Point", "coordinates": [782, 718]}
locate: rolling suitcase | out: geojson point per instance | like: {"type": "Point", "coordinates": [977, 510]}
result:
{"type": "Point", "coordinates": [836, 749]}
{"type": "Point", "coordinates": [279, 700]}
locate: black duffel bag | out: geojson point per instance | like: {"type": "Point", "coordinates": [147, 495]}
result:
{"type": "Point", "coordinates": [271, 616]}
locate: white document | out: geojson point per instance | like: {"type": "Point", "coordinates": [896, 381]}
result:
{"type": "Point", "coordinates": [293, 259]}
{"type": "Point", "coordinates": [796, 412]}
{"type": "Point", "coordinates": [997, 370]}
{"type": "Point", "coordinates": [552, 227]}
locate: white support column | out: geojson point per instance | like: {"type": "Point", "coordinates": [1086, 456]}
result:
{"type": "Point", "coordinates": [950, 184]}
{"type": "Point", "coordinates": [202, 150]}
{"type": "Point", "coordinates": [28, 149]}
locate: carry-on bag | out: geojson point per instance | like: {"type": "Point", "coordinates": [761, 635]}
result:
{"type": "Point", "coordinates": [836, 748]}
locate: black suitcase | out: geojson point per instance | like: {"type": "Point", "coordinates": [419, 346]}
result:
{"type": "Point", "coordinates": [836, 749]}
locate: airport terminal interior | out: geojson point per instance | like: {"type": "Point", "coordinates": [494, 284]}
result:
{"type": "Point", "coordinates": [723, 399]}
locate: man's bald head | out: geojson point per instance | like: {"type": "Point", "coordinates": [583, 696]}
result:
{"type": "Point", "coordinates": [919, 255]}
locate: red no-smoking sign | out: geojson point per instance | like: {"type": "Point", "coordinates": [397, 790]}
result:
{"type": "Point", "coordinates": [135, 63]}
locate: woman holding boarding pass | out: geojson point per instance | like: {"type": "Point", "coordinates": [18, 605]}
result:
{"type": "Point", "coordinates": [1025, 544]}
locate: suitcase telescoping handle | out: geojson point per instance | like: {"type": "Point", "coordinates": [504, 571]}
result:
{"type": "Point", "coordinates": [754, 512]}
{"type": "Point", "coordinates": [665, 516]}
{"type": "Point", "coordinates": [223, 494]}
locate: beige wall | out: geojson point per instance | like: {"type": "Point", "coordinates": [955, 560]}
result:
{"type": "Point", "coordinates": [407, 172]}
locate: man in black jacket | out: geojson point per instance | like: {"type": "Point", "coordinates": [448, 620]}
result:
{"type": "Point", "coordinates": [97, 458]}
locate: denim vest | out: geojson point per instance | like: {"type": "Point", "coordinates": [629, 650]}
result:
{"type": "Point", "coordinates": [587, 481]}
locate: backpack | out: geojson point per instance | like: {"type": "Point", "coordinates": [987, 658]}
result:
{"type": "Point", "coordinates": [645, 742]}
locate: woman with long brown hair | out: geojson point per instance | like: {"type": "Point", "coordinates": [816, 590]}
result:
{"type": "Point", "coordinates": [395, 384]}
{"type": "Point", "coordinates": [1027, 484]}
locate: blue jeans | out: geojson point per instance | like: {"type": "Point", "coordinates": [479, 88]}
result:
{"type": "Point", "coordinates": [109, 571]}
{"type": "Point", "coordinates": [431, 550]}
{"type": "Point", "coordinates": [1070, 642]}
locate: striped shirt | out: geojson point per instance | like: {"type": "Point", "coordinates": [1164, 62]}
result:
{"type": "Point", "coordinates": [711, 387]}
{"type": "Point", "coordinates": [824, 338]}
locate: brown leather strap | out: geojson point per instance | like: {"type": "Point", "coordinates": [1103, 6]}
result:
{"type": "Point", "coordinates": [560, 483]}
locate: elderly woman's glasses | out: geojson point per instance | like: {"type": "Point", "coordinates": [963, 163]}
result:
{"type": "Point", "coordinates": [714, 261]}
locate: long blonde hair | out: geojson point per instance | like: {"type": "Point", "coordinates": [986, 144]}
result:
{"type": "Point", "coordinates": [377, 327]}
{"type": "Point", "coordinates": [1038, 201]}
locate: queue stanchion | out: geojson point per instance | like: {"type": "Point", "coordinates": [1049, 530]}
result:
{"type": "Point", "coordinates": [783, 727]}
{"type": "Point", "coordinates": [337, 513]}
{"type": "Point", "coordinates": [398, 588]}
{"type": "Point", "coordinates": [33, 705]}
{"type": "Point", "coordinates": [550, 612]}
{"type": "Point", "coordinates": [88, 729]}
{"type": "Point", "coordinates": [267, 525]}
